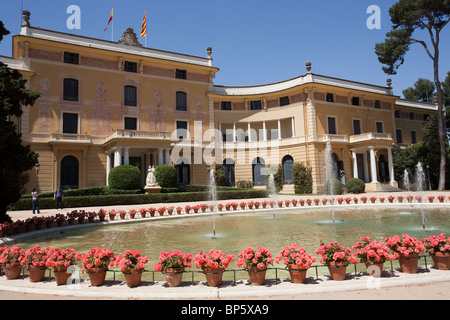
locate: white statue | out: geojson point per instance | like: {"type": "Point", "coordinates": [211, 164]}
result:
{"type": "Point", "coordinates": [151, 180]}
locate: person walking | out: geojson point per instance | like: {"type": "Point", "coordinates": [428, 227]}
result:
{"type": "Point", "coordinates": [59, 197]}
{"type": "Point", "coordinates": [35, 200]}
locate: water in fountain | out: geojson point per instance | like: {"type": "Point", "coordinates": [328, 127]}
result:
{"type": "Point", "coordinates": [406, 180]}
{"type": "Point", "coordinates": [213, 199]}
{"type": "Point", "coordinates": [420, 178]}
{"type": "Point", "coordinates": [329, 175]}
{"type": "Point", "coordinates": [272, 190]}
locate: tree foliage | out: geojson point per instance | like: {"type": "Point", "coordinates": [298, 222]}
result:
{"type": "Point", "coordinates": [423, 90]}
{"type": "Point", "coordinates": [302, 175]}
{"type": "Point", "coordinates": [15, 158]}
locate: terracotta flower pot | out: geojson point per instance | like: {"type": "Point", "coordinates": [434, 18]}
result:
{"type": "Point", "coordinates": [173, 277]}
{"type": "Point", "coordinates": [36, 274]}
{"type": "Point", "coordinates": [337, 270]}
{"type": "Point", "coordinates": [97, 276]}
{"type": "Point", "coordinates": [61, 276]}
{"type": "Point", "coordinates": [298, 274]}
{"type": "Point", "coordinates": [133, 278]}
{"type": "Point", "coordinates": [409, 264]}
{"type": "Point", "coordinates": [441, 260]}
{"type": "Point", "coordinates": [112, 216]}
{"type": "Point", "coordinates": [12, 272]}
{"type": "Point", "coordinates": [214, 276]}
{"type": "Point", "coordinates": [257, 276]}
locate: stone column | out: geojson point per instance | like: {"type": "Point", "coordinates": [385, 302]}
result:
{"type": "Point", "coordinates": [279, 129]}
{"type": "Point", "coordinates": [160, 156]}
{"type": "Point", "coordinates": [108, 165]}
{"type": "Point", "coordinates": [293, 127]}
{"type": "Point", "coordinates": [126, 156]}
{"type": "Point", "coordinates": [355, 164]}
{"type": "Point", "coordinates": [166, 156]}
{"type": "Point", "coordinates": [264, 131]}
{"type": "Point", "coordinates": [117, 156]}
{"type": "Point", "coordinates": [249, 132]}
{"type": "Point", "coordinates": [234, 131]}
{"type": "Point", "coordinates": [391, 165]}
{"type": "Point", "coordinates": [373, 165]}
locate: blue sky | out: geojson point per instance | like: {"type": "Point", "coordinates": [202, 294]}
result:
{"type": "Point", "coordinates": [254, 42]}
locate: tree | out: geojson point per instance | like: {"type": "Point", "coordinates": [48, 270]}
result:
{"type": "Point", "coordinates": [407, 16]}
{"type": "Point", "coordinates": [15, 158]}
{"type": "Point", "coordinates": [423, 90]}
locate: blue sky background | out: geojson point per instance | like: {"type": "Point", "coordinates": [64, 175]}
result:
{"type": "Point", "coordinates": [254, 42]}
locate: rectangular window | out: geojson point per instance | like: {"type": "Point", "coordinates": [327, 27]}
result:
{"type": "Point", "coordinates": [130, 123]}
{"type": "Point", "coordinates": [356, 127]}
{"type": "Point", "coordinates": [413, 137]}
{"type": "Point", "coordinates": [284, 101]}
{"type": "Point", "coordinates": [355, 101]}
{"type": "Point", "coordinates": [182, 129]}
{"type": "Point", "coordinates": [70, 57]}
{"type": "Point", "coordinates": [398, 132]}
{"type": "Point", "coordinates": [397, 114]}
{"type": "Point", "coordinates": [411, 115]}
{"type": "Point", "coordinates": [181, 74]}
{"type": "Point", "coordinates": [377, 104]}
{"type": "Point", "coordinates": [70, 123]}
{"type": "Point", "coordinates": [255, 105]}
{"type": "Point", "coordinates": [130, 95]}
{"type": "Point", "coordinates": [379, 126]}
{"type": "Point", "coordinates": [332, 125]}
{"type": "Point", "coordinates": [70, 89]}
{"type": "Point", "coordinates": [181, 101]}
{"type": "Point", "coordinates": [329, 97]}
{"type": "Point", "coordinates": [130, 66]}
{"type": "Point", "coordinates": [225, 105]}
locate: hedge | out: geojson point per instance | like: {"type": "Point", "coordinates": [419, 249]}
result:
{"type": "Point", "coordinates": [129, 199]}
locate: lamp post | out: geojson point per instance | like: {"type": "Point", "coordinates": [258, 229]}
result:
{"type": "Point", "coordinates": [37, 167]}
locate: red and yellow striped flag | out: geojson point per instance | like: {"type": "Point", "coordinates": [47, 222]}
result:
{"type": "Point", "coordinates": [144, 26]}
{"type": "Point", "coordinates": [110, 18]}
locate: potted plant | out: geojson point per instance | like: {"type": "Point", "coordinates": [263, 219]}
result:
{"type": "Point", "coordinates": [430, 199]}
{"type": "Point", "coordinates": [173, 264]}
{"type": "Point", "coordinates": [187, 209]}
{"type": "Point", "coordinates": [132, 213]}
{"type": "Point", "coordinates": [29, 225]}
{"type": "Point", "coordinates": [407, 250]}
{"type": "Point", "coordinates": [255, 262]}
{"type": "Point", "coordinates": [280, 203]}
{"type": "Point", "coordinates": [348, 200]}
{"type": "Point", "coordinates": [49, 221]}
{"type": "Point", "coordinates": [18, 226]}
{"type": "Point", "coordinates": [213, 264]}
{"type": "Point", "coordinates": [91, 216]}
{"type": "Point", "coordinates": [297, 261]}
{"type": "Point", "coordinates": [112, 214]}
{"type": "Point", "coordinates": [373, 253]}
{"type": "Point", "coordinates": [418, 198]}
{"type": "Point", "coordinates": [152, 211]}
{"type": "Point", "coordinates": [234, 205]}
{"type": "Point", "coordinates": [381, 199]}
{"type": "Point", "coordinates": [391, 199]}
{"type": "Point", "coordinates": [336, 257]}
{"type": "Point", "coordinates": [170, 210]}
{"type": "Point", "coordinates": [294, 202]}
{"type": "Point", "coordinates": [400, 199]}
{"type": "Point", "coordinates": [302, 202]}
{"type": "Point", "coordinates": [60, 219]}
{"type": "Point", "coordinates": [179, 209]}
{"type": "Point", "coordinates": [250, 204]}
{"type": "Point", "coordinates": [355, 200]}
{"type": "Point", "coordinates": [257, 204]}
{"type": "Point", "coordinates": [203, 207]}
{"type": "Point", "coordinates": [161, 210]}
{"type": "Point", "coordinates": [363, 199]}
{"type": "Point", "coordinates": [316, 201]}
{"type": "Point", "coordinates": [60, 260]}
{"type": "Point", "coordinates": [143, 212]}
{"type": "Point", "coordinates": [132, 264]}
{"type": "Point", "coordinates": [340, 200]}
{"type": "Point", "coordinates": [441, 198]}
{"type": "Point", "coordinates": [96, 261]}
{"type": "Point", "coordinates": [35, 261]}
{"type": "Point", "coordinates": [11, 258]}
{"type": "Point", "coordinates": [264, 204]}
{"type": "Point", "coordinates": [101, 215]}
{"type": "Point", "coordinates": [373, 199]}
{"type": "Point", "coordinates": [122, 214]}
{"type": "Point", "coordinates": [409, 198]}
{"type": "Point", "coordinates": [438, 246]}
{"type": "Point", "coordinates": [308, 201]}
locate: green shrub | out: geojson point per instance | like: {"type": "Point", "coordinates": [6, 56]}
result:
{"type": "Point", "coordinates": [125, 178]}
{"type": "Point", "coordinates": [219, 177]}
{"type": "Point", "coordinates": [333, 187]}
{"type": "Point", "coordinates": [355, 185]}
{"type": "Point", "coordinates": [166, 176]}
{"type": "Point", "coordinates": [302, 176]}
{"type": "Point", "coordinates": [244, 184]}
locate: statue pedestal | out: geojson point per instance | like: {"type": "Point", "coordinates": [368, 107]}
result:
{"type": "Point", "coordinates": [152, 189]}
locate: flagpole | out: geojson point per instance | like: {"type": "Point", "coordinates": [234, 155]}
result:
{"type": "Point", "coordinates": [112, 27]}
{"type": "Point", "coordinates": [145, 28]}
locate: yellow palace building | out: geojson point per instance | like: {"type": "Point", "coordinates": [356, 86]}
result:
{"type": "Point", "coordinates": [104, 104]}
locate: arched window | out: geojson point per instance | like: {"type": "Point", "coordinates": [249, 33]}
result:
{"type": "Point", "coordinates": [259, 172]}
{"type": "Point", "coordinates": [69, 173]}
{"type": "Point", "coordinates": [288, 162]}
{"type": "Point", "coordinates": [228, 170]}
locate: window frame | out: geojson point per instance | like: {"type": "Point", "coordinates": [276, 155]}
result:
{"type": "Point", "coordinates": [71, 57]}
{"type": "Point", "coordinates": [335, 124]}
{"type": "Point", "coordinates": [69, 91]}
{"type": "Point", "coordinates": [126, 101]}
{"type": "Point", "coordinates": [64, 124]}
{"type": "Point", "coordinates": [130, 118]}
{"type": "Point", "coordinates": [181, 101]}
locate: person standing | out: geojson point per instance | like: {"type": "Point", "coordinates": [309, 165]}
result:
{"type": "Point", "coordinates": [59, 197]}
{"type": "Point", "coordinates": [35, 200]}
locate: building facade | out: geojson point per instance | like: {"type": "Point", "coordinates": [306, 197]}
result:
{"type": "Point", "coordinates": [104, 104]}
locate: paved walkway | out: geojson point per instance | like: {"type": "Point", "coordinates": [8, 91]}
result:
{"type": "Point", "coordinates": [427, 284]}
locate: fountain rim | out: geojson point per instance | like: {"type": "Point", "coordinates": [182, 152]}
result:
{"type": "Point", "coordinates": [371, 206]}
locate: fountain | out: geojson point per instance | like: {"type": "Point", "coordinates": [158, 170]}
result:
{"type": "Point", "coordinates": [406, 180]}
{"type": "Point", "coordinates": [420, 178]}
{"type": "Point", "coordinates": [329, 175]}
{"type": "Point", "coordinates": [272, 190]}
{"type": "Point", "coordinates": [213, 199]}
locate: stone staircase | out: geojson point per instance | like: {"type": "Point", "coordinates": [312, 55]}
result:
{"type": "Point", "coordinates": [385, 187]}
